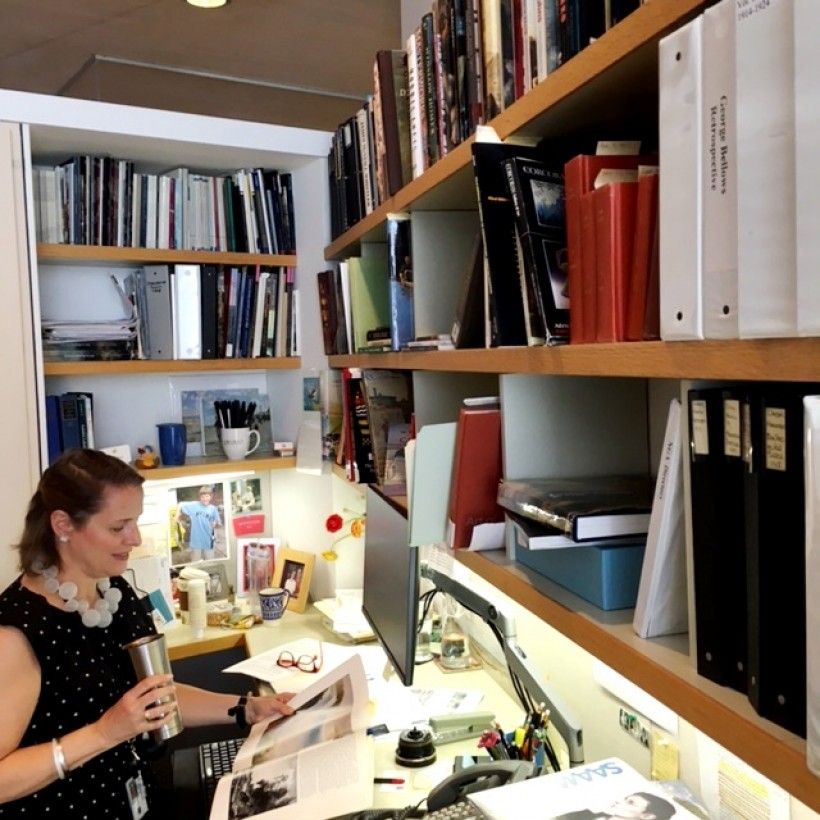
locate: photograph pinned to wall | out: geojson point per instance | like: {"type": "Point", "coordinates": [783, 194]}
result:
{"type": "Point", "coordinates": [294, 570]}
{"type": "Point", "coordinates": [311, 393]}
{"type": "Point", "coordinates": [217, 588]}
{"type": "Point", "coordinates": [247, 507]}
{"type": "Point", "coordinates": [197, 531]}
{"type": "Point", "coordinates": [255, 563]}
{"type": "Point", "coordinates": [192, 399]}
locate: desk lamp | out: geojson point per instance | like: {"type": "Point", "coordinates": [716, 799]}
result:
{"type": "Point", "coordinates": [529, 689]}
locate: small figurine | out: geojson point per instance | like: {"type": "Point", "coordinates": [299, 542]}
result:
{"type": "Point", "coordinates": [147, 459]}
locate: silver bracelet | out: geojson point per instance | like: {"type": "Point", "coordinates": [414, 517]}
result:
{"type": "Point", "coordinates": [58, 757]}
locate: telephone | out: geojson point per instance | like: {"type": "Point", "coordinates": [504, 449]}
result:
{"type": "Point", "coordinates": [477, 778]}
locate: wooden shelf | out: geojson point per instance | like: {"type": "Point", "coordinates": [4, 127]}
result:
{"type": "Point", "coordinates": [618, 72]}
{"type": "Point", "coordinates": [218, 464]}
{"type": "Point", "coordinates": [744, 360]}
{"type": "Point", "coordinates": [662, 668]}
{"type": "Point", "coordinates": [133, 367]}
{"type": "Point", "coordinates": [98, 254]}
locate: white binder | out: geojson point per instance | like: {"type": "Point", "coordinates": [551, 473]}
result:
{"type": "Point", "coordinates": [186, 312]}
{"type": "Point", "coordinates": [767, 297]}
{"type": "Point", "coordinates": [681, 255]}
{"type": "Point", "coordinates": [806, 141]}
{"type": "Point", "coordinates": [719, 170]}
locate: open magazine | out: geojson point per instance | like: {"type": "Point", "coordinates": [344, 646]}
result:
{"type": "Point", "coordinates": [317, 762]}
{"type": "Point", "coordinates": [603, 790]}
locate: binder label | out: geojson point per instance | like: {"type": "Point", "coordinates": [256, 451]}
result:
{"type": "Point", "coordinates": [775, 438]}
{"type": "Point", "coordinates": [731, 428]}
{"type": "Point", "coordinates": [700, 428]}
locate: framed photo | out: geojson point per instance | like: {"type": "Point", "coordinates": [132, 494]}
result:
{"type": "Point", "coordinates": [217, 587]}
{"type": "Point", "coordinates": [197, 525]}
{"type": "Point", "coordinates": [293, 573]}
{"type": "Point", "coordinates": [255, 563]}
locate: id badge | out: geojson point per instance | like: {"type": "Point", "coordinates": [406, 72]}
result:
{"type": "Point", "coordinates": [137, 797]}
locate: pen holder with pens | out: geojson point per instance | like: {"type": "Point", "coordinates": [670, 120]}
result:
{"type": "Point", "coordinates": [539, 758]}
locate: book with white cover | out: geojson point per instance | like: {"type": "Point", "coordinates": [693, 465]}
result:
{"type": "Point", "coordinates": [302, 765]}
{"type": "Point", "coordinates": [680, 80]}
{"type": "Point", "coordinates": [186, 312]}
{"type": "Point", "coordinates": [764, 63]}
{"type": "Point", "coordinates": [806, 140]}
{"type": "Point", "coordinates": [719, 173]}
{"type": "Point", "coordinates": [811, 406]}
{"type": "Point", "coordinates": [605, 788]}
{"type": "Point", "coordinates": [661, 607]}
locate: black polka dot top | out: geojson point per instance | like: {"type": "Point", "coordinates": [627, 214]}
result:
{"type": "Point", "coordinates": [84, 671]}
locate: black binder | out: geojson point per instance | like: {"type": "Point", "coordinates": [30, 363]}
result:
{"type": "Point", "coordinates": [776, 573]}
{"type": "Point", "coordinates": [208, 306]}
{"type": "Point", "coordinates": [715, 447]}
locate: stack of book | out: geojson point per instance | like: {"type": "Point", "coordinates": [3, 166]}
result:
{"type": "Point", "coordinates": [69, 422]}
{"type": "Point", "coordinates": [90, 200]}
{"type": "Point", "coordinates": [465, 63]}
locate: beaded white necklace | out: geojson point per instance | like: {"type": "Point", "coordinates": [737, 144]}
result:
{"type": "Point", "coordinates": [100, 614]}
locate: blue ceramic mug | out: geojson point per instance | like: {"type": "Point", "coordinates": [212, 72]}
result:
{"type": "Point", "coordinates": [173, 442]}
{"type": "Point", "coordinates": [272, 602]}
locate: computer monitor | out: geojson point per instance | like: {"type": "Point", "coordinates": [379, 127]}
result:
{"type": "Point", "coordinates": [391, 583]}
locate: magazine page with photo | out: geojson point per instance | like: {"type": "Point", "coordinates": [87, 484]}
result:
{"type": "Point", "coordinates": [297, 765]}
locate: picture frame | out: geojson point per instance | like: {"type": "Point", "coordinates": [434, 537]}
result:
{"type": "Point", "coordinates": [255, 563]}
{"type": "Point", "coordinates": [217, 587]}
{"type": "Point", "coordinates": [189, 521]}
{"type": "Point", "coordinates": [294, 569]}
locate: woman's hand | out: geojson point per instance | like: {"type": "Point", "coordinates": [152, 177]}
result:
{"type": "Point", "coordinates": [137, 710]}
{"type": "Point", "coordinates": [262, 708]}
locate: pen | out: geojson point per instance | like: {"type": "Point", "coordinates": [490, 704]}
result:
{"type": "Point", "coordinates": [392, 781]}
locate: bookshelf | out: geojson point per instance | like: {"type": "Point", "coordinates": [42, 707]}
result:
{"type": "Point", "coordinates": [594, 93]}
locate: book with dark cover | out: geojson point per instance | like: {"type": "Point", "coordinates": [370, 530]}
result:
{"type": "Point", "coordinates": [354, 194]}
{"type": "Point", "coordinates": [54, 433]}
{"type": "Point", "coordinates": [538, 199]}
{"type": "Point", "coordinates": [474, 64]}
{"type": "Point", "coordinates": [458, 38]}
{"type": "Point", "coordinates": [70, 430]}
{"type": "Point", "coordinates": [774, 494]}
{"type": "Point", "coordinates": [208, 301]}
{"type": "Point", "coordinates": [449, 115]}
{"type": "Point", "coordinates": [400, 272]}
{"type": "Point", "coordinates": [497, 216]}
{"type": "Point", "coordinates": [468, 325]}
{"type": "Point", "coordinates": [476, 473]}
{"type": "Point", "coordinates": [430, 98]}
{"type": "Point", "coordinates": [327, 310]}
{"type": "Point", "coordinates": [362, 448]}
{"type": "Point", "coordinates": [614, 206]}
{"type": "Point", "coordinates": [586, 509]}
{"type": "Point", "coordinates": [643, 247]}
{"type": "Point", "coordinates": [718, 543]}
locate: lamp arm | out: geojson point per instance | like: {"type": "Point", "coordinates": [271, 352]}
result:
{"type": "Point", "coordinates": [561, 715]}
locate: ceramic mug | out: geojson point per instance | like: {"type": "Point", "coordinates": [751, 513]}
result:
{"type": "Point", "coordinates": [272, 601]}
{"type": "Point", "coordinates": [236, 442]}
{"type": "Point", "coordinates": [172, 442]}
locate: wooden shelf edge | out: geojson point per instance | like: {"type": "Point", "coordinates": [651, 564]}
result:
{"type": "Point", "coordinates": [204, 646]}
{"type": "Point", "coordinates": [646, 24]}
{"type": "Point", "coordinates": [723, 714]}
{"type": "Point", "coordinates": [107, 253]}
{"type": "Point", "coordinates": [213, 464]}
{"type": "Point", "coordinates": [134, 366]}
{"type": "Point", "coordinates": [735, 360]}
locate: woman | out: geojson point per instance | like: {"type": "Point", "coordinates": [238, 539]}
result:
{"type": "Point", "coordinates": [74, 714]}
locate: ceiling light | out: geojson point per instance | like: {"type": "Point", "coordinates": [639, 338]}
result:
{"type": "Point", "coordinates": [207, 4]}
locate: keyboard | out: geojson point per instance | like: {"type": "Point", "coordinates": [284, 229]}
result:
{"type": "Point", "coordinates": [460, 810]}
{"type": "Point", "coordinates": [215, 760]}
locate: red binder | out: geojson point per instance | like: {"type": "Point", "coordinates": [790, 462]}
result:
{"type": "Point", "coordinates": [646, 217]}
{"type": "Point", "coordinates": [615, 206]}
{"type": "Point", "coordinates": [476, 473]}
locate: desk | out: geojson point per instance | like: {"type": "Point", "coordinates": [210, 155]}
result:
{"type": "Point", "coordinates": [418, 781]}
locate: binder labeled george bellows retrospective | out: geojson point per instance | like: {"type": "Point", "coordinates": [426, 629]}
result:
{"type": "Point", "coordinates": [775, 546]}
{"type": "Point", "coordinates": [718, 543]}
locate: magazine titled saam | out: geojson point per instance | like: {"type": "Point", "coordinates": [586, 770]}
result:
{"type": "Point", "coordinates": [317, 762]}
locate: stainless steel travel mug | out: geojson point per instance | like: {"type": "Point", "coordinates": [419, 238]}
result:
{"type": "Point", "coordinates": [150, 657]}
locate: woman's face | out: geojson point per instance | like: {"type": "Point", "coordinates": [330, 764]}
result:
{"type": "Point", "coordinates": [101, 546]}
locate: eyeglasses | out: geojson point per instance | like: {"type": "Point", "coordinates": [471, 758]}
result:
{"type": "Point", "coordinates": [306, 663]}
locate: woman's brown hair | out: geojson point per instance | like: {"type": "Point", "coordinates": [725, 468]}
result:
{"type": "Point", "coordinates": [75, 483]}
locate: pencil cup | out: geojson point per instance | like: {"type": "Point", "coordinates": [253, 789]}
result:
{"type": "Point", "coordinates": [150, 657]}
{"type": "Point", "coordinates": [172, 443]}
{"type": "Point", "coordinates": [236, 442]}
